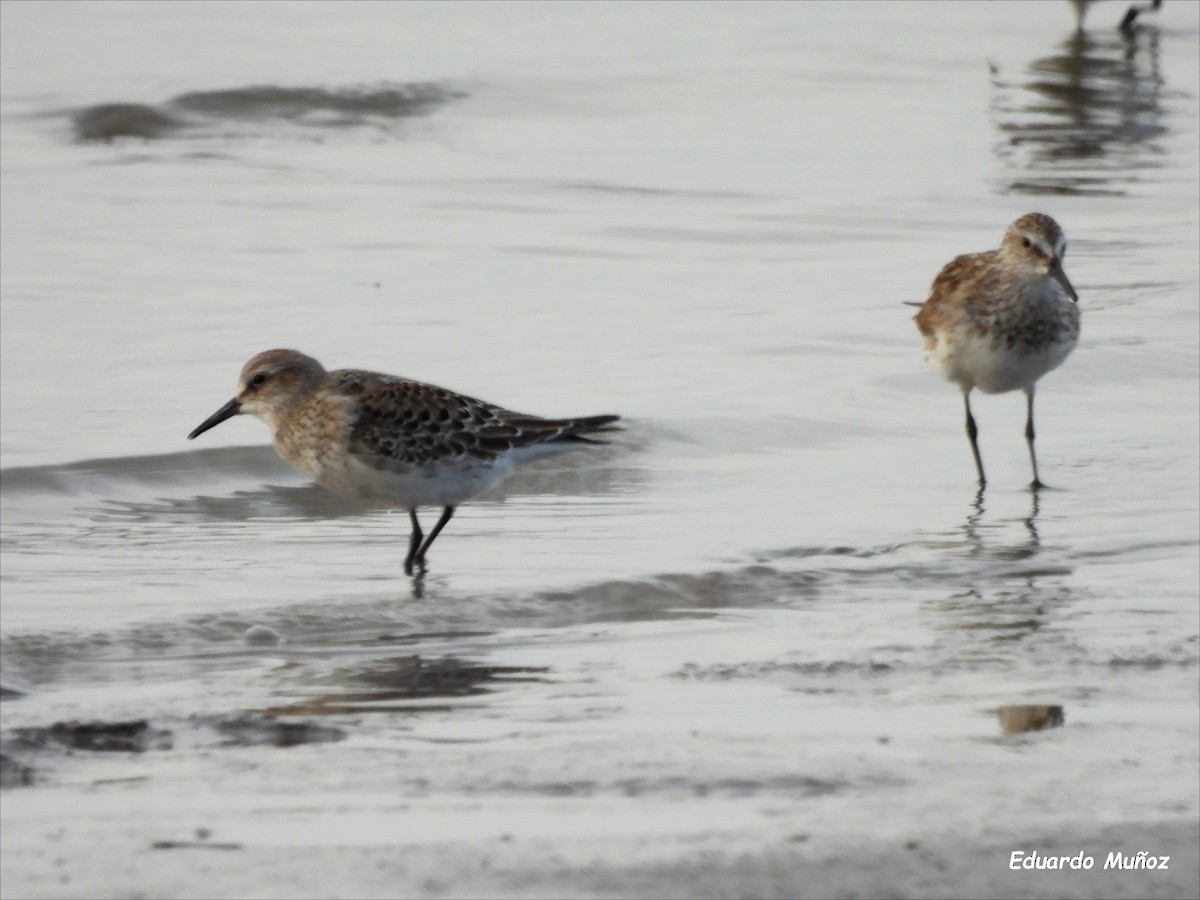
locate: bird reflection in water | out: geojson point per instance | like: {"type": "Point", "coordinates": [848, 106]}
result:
{"type": "Point", "coordinates": [1006, 598]}
{"type": "Point", "coordinates": [1024, 549]}
{"type": "Point", "coordinates": [1085, 120]}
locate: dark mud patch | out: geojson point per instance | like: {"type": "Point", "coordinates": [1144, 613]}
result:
{"type": "Point", "coordinates": [135, 736]}
{"type": "Point", "coordinates": [14, 773]}
{"type": "Point", "coordinates": [265, 731]}
{"type": "Point", "coordinates": [406, 684]}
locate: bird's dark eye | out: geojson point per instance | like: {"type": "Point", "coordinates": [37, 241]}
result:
{"type": "Point", "coordinates": [1025, 241]}
{"type": "Point", "coordinates": [258, 380]}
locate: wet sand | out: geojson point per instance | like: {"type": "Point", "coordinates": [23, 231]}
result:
{"type": "Point", "coordinates": [130, 849]}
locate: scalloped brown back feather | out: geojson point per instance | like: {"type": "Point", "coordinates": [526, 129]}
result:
{"type": "Point", "coordinates": [413, 423]}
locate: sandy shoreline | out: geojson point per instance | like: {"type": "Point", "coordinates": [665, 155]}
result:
{"type": "Point", "coordinates": [119, 859]}
{"type": "Point", "coordinates": [579, 786]}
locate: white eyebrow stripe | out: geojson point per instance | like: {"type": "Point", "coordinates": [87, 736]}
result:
{"type": "Point", "coordinates": [1039, 241]}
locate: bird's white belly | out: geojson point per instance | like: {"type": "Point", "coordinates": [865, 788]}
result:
{"type": "Point", "coordinates": [446, 483]}
{"type": "Point", "coordinates": [974, 362]}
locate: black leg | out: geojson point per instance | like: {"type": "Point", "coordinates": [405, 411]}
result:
{"type": "Point", "coordinates": [414, 541]}
{"type": "Point", "coordinates": [437, 529]}
{"type": "Point", "coordinates": [1132, 13]}
{"type": "Point", "coordinates": [1029, 436]}
{"type": "Point", "coordinates": [973, 434]}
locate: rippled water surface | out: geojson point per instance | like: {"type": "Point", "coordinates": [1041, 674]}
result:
{"type": "Point", "coordinates": [774, 606]}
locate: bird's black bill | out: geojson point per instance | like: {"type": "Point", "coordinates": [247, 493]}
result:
{"type": "Point", "coordinates": [1057, 273]}
{"type": "Point", "coordinates": [228, 411]}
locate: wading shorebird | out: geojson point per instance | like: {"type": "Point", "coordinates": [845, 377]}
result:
{"type": "Point", "coordinates": [1001, 320]}
{"type": "Point", "coordinates": [1127, 21]}
{"type": "Point", "coordinates": [390, 441]}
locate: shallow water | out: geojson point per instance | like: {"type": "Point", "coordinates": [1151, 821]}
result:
{"type": "Point", "coordinates": [776, 602]}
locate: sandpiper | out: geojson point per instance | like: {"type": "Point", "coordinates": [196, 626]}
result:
{"type": "Point", "coordinates": [1127, 21]}
{"type": "Point", "coordinates": [1001, 320]}
{"type": "Point", "coordinates": [390, 441]}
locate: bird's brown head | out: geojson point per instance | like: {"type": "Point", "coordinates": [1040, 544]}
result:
{"type": "Point", "coordinates": [1035, 244]}
{"type": "Point", "coordinates": [270, 383]}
